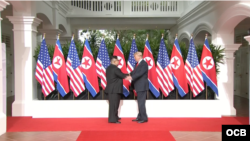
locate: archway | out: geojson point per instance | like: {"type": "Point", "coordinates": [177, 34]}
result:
{"type": "Point", "coordinates": [200, 31]}
{"type": "Point", "coordinates": [241, 66]}
{"type": "Point", "coordinates": [224, 34]}
{"type": "Point", "coordinates": [61, 27]}
{"type": "Point", "coordinates": [200, 37]}
{"type": "Point", "coordinates": [8, 39]}
{"type": "Point", "coordinates": [46, 22]}
{"type": "Point", "coordinates": [184, 37]}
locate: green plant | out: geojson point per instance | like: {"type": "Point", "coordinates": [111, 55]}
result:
{"type": "Point", "coordinates": [51, 49]}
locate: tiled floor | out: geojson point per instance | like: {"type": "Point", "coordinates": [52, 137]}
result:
{"type": "Point", "coordinates": [240, 104]}
{"type": "Point", "coordinates": [196, 136]}
{"type": "Point", "coordinates": [40, 136]}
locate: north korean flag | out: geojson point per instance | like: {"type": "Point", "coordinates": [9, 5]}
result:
{"type": "Point", "coordinates": [122, 65]}
{"type": "Point", "coordinates": [152, 75]}
{"type": "Point", "coordinates": [178, 70]}
{"type": "Point", "coordinates": [89, 70]}
{"type": "Point", "coordinates": [59, 70]}
{"type": "Point", "coordinates": [208, 67]}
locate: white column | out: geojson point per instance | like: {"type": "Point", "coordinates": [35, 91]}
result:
{"type": "Point", "coordinates": [51, 35]}
{"type": "Point", "coordinates": [25, 30]}
{"type": "Point", "coordinates": [248, 39]}
{"type": "Point", "coordinates": [226, 81]}
{"type": "Point", "coordinates": [3, 5]}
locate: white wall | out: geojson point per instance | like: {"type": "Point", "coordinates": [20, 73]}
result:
{"type": "Point", "coordinates": [128, 108]}
{"type": "Point", "coordinates": [189, 5]}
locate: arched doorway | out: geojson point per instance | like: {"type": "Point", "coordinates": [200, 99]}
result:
{"type": "Point", "coordinates": [227, 27]}
{"type": "Point", "coordinates": [185, 37]}
{"type": "Point", "coordinates": [200, 32]}
{"type": "Point", "coordinates": [241, 69]}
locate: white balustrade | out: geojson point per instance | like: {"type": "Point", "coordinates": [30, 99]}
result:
{"type": "Point", "coordinates": [125, 8]}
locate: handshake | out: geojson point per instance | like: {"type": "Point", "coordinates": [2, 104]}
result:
{"type": "Point", "coordinates": [128, 77]}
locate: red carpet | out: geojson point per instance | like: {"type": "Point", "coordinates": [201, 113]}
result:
{"type": "Point", "coordinates": [125, 136]}
{"type": "Point", "coordinates": [22, 124]}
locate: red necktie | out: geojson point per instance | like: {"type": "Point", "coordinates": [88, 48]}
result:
{"type": "Point", "coordinates": [137, 64]}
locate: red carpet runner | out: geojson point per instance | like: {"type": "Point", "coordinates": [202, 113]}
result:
{"type": "Point", "coordinates": [98, 129]}
{"type": "Point", "coordinates": [125, 136]}
{"type": "Point", "coordinates": [26, 124]}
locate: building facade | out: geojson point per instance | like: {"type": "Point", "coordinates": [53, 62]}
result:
{"type": "Point", "coordinates": [24, 22]}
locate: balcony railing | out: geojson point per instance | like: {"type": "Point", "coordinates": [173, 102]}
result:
{"type": "Point", "coordinates": [146, 6]}
{"type": "Point", "coordinates": [126, 8]}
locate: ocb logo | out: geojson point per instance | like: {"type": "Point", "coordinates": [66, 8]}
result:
{"type": "Point", "coordinates": [236, 132]}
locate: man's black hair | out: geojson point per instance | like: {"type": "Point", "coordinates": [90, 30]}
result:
{"type": "Point", "coordinates": [113, 57]}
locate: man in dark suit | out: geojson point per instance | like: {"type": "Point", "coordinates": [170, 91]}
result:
{"type": "Point", "coordinates": [114, 88]}
{"type": "Point", "coordinates": [139, 77]}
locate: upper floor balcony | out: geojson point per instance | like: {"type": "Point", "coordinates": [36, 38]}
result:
{"type": "Point", "coordinates": [124, 8]}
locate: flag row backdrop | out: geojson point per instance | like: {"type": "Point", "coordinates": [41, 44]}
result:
{"type": "Point", "coordinates": [165, 76]}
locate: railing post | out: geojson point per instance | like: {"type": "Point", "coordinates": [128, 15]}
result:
{"type": "Point", "coordinates": [126, 7]}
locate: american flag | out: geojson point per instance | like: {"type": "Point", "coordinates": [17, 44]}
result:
{"type": "Point", "coordinates": [193, 70]}
{"type": "Point", "coordinates": [164, 71]}
{"type": "Point", "coordinates": [102, 62]}
{"type": "Point", "coordinates": [73, 68]}
{"type": "Point", "coordinates": [131, 60]}
{"type": "Point", "coordinates": [44, 72]}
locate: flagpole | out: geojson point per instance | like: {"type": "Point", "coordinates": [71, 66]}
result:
{"type": "Point", "coordinates": [147, 91]}
{"type": "Point", "coordinates": [190, 86]}
{"type": "Point", "coordinates": [44, 38]}
{"type": "Point", "coordinates": [134, 68]}
{"type": "Point", "coordinates": [88, 94]}
{"type": "Point", "coordinates": [58, 90]}
{"type": "Point", "coordinates": [206, 83]}
{"type": "Point", "coordinates": [102, 94]}
{"type": "Point", "coordinates": [73, 36]}
{"type": "Point", "coordinates": [176, 91]}
{"type": "Point", "coordinates": [206, 90]}
{"type": "Point", "coordinates": [162, 35]}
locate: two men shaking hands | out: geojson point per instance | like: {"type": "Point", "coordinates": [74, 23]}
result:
{"type": "Point", "coordinates": [114, 88]}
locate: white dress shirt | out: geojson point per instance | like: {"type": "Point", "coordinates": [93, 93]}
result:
{"type": "Point", "coordinates": [139, 61]}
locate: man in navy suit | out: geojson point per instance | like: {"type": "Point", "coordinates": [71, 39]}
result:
{"type": "Point", "coordinates": [139, 77]}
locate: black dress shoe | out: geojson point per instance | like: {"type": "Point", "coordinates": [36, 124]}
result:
{"type": "Point", "coordinates": [135, 120]}
{"type": "Point", "coordinates": [118, 122]}
{"type": "Point", "coordinates": [142, 121]}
